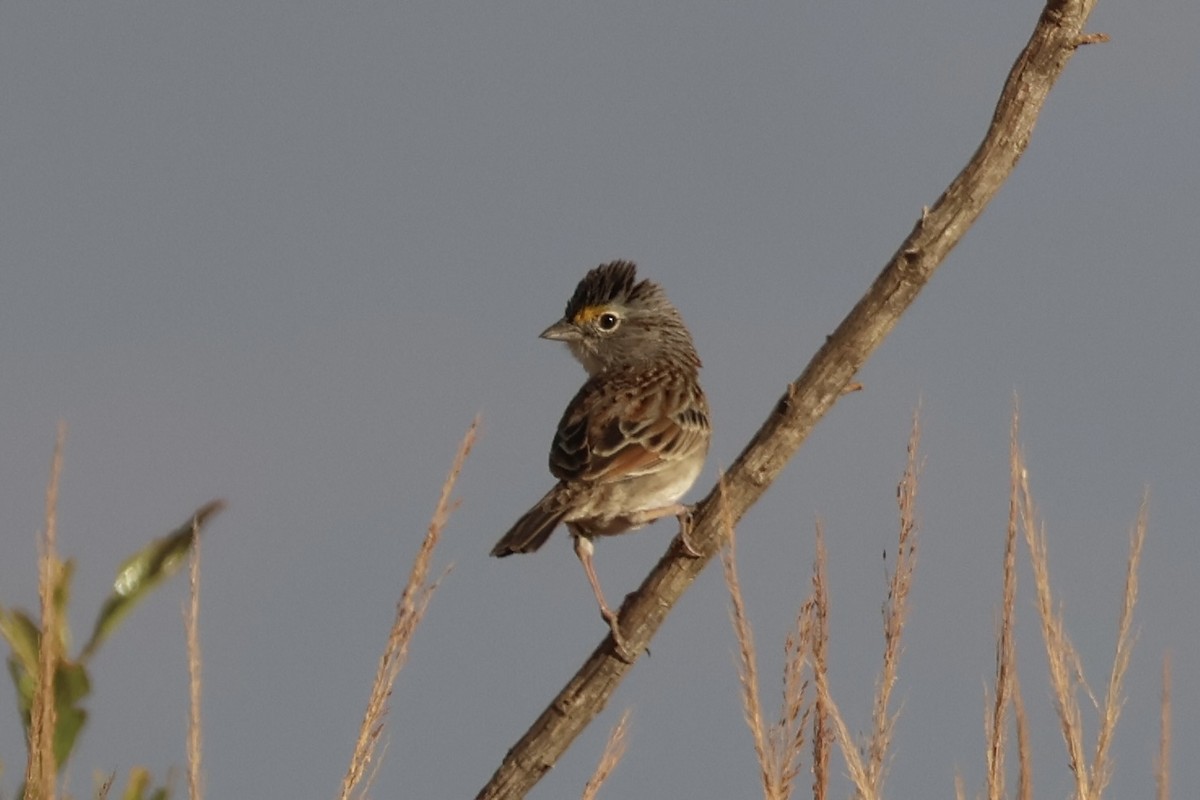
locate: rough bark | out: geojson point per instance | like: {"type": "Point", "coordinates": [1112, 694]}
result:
{"type": "Point", "coordinates": [1059, 32]}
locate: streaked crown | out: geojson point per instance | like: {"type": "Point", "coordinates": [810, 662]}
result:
{"type": "Point", "coordinates": [613, 320]}
{"type": "Point", "coordinates": [613, 284]}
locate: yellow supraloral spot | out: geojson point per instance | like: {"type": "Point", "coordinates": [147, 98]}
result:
{"type": "Point", "coordinates": [589, 314]}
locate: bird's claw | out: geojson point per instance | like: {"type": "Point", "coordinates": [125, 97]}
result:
{"type": "Point", "coordinates": [685, 528]}
{"type": "Point", "coordinates": [621, 650]}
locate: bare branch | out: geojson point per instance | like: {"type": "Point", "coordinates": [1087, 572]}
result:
{"type": "Point", "coordinates": [1056, 36]}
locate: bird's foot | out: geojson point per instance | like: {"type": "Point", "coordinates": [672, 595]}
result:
{"type": "Point", "coordinates": [685, 530]}
{"type": "Point", "coordinates": [621, 650]}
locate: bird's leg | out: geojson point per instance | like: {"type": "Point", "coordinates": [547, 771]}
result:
{"type": "Point", "coordinates": [680, 512]}
{"type": "Point", "coordinates": [584, 549]}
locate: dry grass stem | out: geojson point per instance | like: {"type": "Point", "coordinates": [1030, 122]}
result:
{"type": "Point", "coordinates": [1060, 653]}
{"type": "Point", "coordinates": [1114, 699]}
{"type": "Point", "coordinates": [796, 710]}
{"type": "Point", "coordinates": [414, 601]}
{"type": "Point", "coordinates": [855, 763]}
{"type": "Point", "coordinates": [1066, 671]}
{"type": "Point", "coordinates": [779, 745]}
{"type": "Point", "coordinates": [614, 751]}
{"type": "Point", "coordinates": [191, 624]}
{"type": "Point", "coordinates": [105, 786]}
{"type": "Point", "coordinates": [1024, 747]}
{"type": "Point", "coordinates": [867, 764]}
{"type": "Point", "coordinates": [747, 661]}
{"type": "Point", "coordinates": [41, 771]}
{"type": "Point", "coordinates": [996, 718]}
{"type": "Point", "coordinates": [818, 619]}
{"type": "Point", "coordinates": [895, 611]}
{"type": "Point", "coordinates": [1162, 766]}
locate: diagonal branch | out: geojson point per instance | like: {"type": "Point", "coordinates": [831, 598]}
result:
{"type": "Point", "coordinates": [1059, 32]}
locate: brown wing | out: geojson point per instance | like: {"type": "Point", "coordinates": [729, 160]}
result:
{"type": "Point", "coordinates": [621, 426]}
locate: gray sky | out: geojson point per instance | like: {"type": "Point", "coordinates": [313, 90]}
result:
{"type": "Point", "coordinates": [282, 253]}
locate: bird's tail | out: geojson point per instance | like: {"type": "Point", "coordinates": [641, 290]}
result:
{"type": "Point", "coordinates": [533, 529]}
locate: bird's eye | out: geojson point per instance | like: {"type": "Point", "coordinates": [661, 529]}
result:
{"type": "Point", "coordinates": [609, 321]}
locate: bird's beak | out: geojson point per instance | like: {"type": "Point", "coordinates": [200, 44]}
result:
{"type": "Point", "coordinates": [562, 331]}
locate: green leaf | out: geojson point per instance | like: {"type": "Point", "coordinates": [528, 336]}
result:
{"type": "Point", "coordinates": [71, 686]}
{"type": "Point", "coordinates": [136, 578]}
{"type": "Point", "coordinates": [140, 780]}
{"type": "Point", "coordinates": [22, 635]}
{"type": "Point", "coordinates": [144, 571]}
{"type": "Point", "coordinates": [26, 684]}
{"type": "Point", "coordinates": [61, 598]}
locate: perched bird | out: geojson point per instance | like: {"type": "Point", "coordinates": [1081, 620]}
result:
{"type": "Point", "coordinates": [634, 438]}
